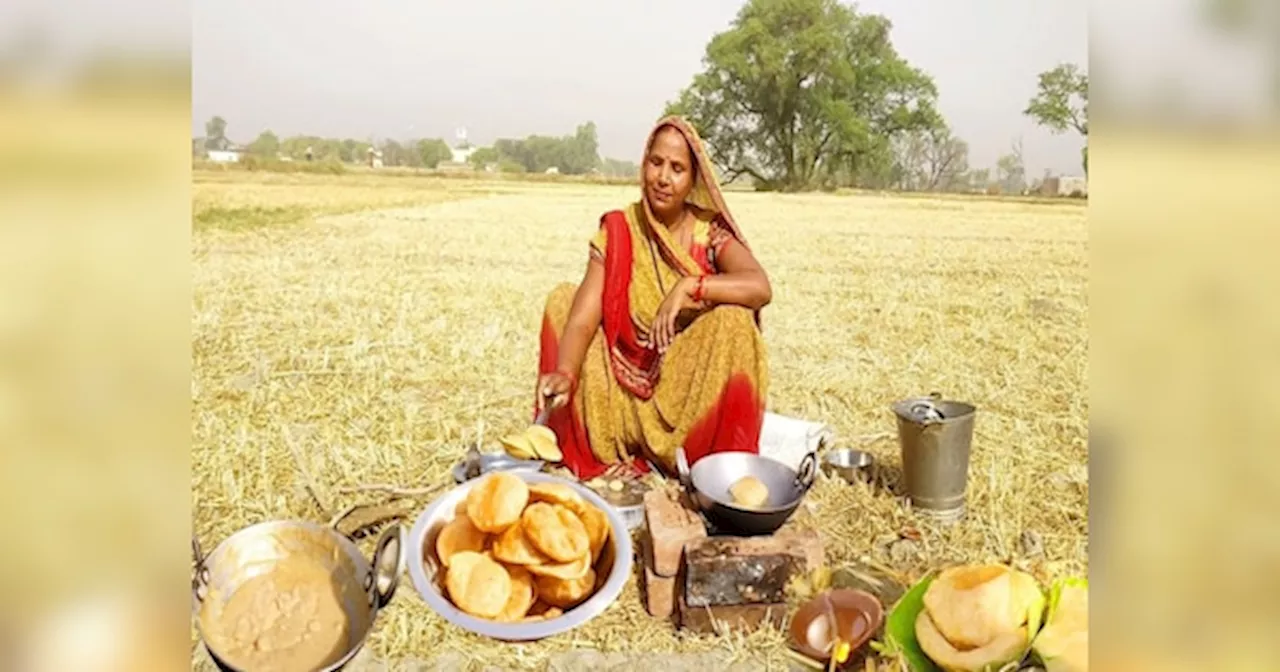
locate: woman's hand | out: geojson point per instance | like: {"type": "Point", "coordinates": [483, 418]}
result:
{"type": "Point", "coordinates": [554, 389]}
{"type": "Point", "coordinates": [678, 300]}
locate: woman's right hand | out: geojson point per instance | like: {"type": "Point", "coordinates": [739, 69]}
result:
{"type": "Point", "coordinates": [553, 389]}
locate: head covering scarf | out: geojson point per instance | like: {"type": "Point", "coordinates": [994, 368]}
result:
{"type": "Point", "coordinates": [705, 196]}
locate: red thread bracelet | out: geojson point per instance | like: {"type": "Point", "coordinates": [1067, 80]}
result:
{"type": "Point", "coordinates": [699, 290]}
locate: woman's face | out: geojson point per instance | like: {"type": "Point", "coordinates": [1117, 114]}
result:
{"type": "Point", "coordinates": [668, 173]}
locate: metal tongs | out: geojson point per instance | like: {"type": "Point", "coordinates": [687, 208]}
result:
{"type": "Point", "coordinates": [548, 405]}
{"type": "Point", "coordinates": [471, 463]}
{"type": "Point", "coordinates": [544, 414]}
{"type": "Point", "coordinates": [474, 461]}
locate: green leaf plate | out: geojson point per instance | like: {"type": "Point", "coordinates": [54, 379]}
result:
{"type": "Point", "coordinates": [900, 628]}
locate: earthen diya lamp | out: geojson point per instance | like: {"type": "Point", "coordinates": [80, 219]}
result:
{"type": "Point", "coordinates": [848, 615]}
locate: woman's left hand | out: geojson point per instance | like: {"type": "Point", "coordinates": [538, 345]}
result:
{"type": "Point", "coordinates": [678, 300]}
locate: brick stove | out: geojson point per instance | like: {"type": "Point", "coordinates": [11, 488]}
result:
{"type": "Point", "coordinates": [696, 576]}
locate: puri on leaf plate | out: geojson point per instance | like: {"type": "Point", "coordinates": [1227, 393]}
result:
{"type": "Point", "coordinates": [1063, 644]}
{"type": "Point", "coordinates": [900, 629]}
{"type": "Point", "coordinates": [902, 642]}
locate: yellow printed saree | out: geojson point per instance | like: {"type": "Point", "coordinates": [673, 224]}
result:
{"type": "Point", "coordinates": [705, 393]}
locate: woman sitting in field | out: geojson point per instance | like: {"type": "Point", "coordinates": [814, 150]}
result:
{"type": "Point", "coordinates": [660, 345]}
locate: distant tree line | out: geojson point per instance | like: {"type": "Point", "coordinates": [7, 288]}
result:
{"type": "Point", "coordinates": [576, 154]}
{"type": "Point", "coordinates": [795, 95]}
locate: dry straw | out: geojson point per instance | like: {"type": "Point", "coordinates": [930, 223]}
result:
{"type": "Point", "coordinates": [390, 322]}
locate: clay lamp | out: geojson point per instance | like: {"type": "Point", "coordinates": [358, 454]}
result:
{"type": "Point", "coordinates": [826, 624]}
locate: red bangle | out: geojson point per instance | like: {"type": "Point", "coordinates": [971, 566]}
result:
{"type": "Point", "coordinates": [699, 290]}
{"type": "Point", "coordinates": [573, 380]}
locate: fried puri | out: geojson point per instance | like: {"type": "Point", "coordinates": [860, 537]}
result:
{"type": "Point", "coordinates": [514, 548]}
{"type": "Point", "coordinates": [556, 531]}
{"type": "Point", "coordinates": [478, 585]}
{"type": "Point", "coordinates": [522, 596]}
{"type": "Point", "coordinates": [541, 611]}
{"type": "Point", "coordinates": [459, 535]}
{"type": "Point", "coordinates": [497, 502]}
{"type": "Point", "coordinates": [565, 570]}
{"type": "Point", "coordinates": [749, 492]}
{"type": "Point", "coordinates": [597, 525]}
{"type": "Point", "coordinates": [518, 552]}
{"type": "Point", "coordinates": [555, 493]}
{"type": "Point", "coordinates": [565, 593]}
{"type": "Point", "coordinates": [544, 443]}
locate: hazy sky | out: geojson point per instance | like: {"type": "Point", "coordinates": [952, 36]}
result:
{"type": "Point", "coordinates": [422, 68]}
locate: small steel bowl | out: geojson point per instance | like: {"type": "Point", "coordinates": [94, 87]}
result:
{"type": "Point", "coordinates": [496, 462]}
{"type": "Point", "coordinates": [628, 502]}
{"type": "Point", "coordinates": [854, 466]}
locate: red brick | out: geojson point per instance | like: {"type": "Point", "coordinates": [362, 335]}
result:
{"type": "Point", "coordinates": [807, 543]}
{"type": "Point", "coordinates": [671, 525]}
{"type": "Point", "coordinates": [743, 617]}
{"type": "Point", "coordinates": [660, 592]}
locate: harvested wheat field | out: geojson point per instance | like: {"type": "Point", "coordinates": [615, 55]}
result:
{"type": "Point", "coordinates": [356, 330]}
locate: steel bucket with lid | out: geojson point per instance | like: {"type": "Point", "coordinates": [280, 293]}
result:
{"type": "Point", "coordinates": [363, 586]}
{"type": "Point", "coordinates": [935, 437]}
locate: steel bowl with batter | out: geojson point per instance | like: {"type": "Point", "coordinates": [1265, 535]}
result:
{"type": "Point", "coordinates": [365, 586]}
{"type": "Point", "coordinates": [709, 479]}
{"type": "Point", "coordinates": [613, 568]}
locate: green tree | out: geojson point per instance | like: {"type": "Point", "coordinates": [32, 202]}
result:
{"type": "Point", "coordinates": [980, 178]}
{"type": "Point", "coordinates": [1061, 103]}
{"type": "Point", "coordinates": [322, 149]}
{"type": "Point", "coordinates": [543, 152]}
{"type": "Point", "coordinates": [619, 168]}
{"type": "Point", "coordinates": [266, 145]}
{"type": "Point", "coordinates": [510, 151]}
{"type": "Point", "coordinates": [509, 166]}
{"type": "Point", "coordinates": [572, 155]}
{"type": "Point", "coordinates": [432, 152]}
{"type": "Point", "coordinates": [581, 152]}
{"type": "Point", "coordinates": [535, 153]}
{"type": "Point", "coordinates": [876, 168]}
{"type": "Point", "coordinates": [948, 163]}
{"type": "Point", "coordinates": [410, 156]}
{"type": "Point", "coordinates": [394, 153]}
{"type": "Point", "coordinates": [215, 134]}
{"type": "Point", "coordinates": [350, 150]}
{"type": "Point", "coordinates": [931, 160]}
{"type": "Point", "coordinates": [483, 156]}
{"type": "Point", "coordinates": [1011, 172]}
{"type": "Point", "coordinates": [801, 93]}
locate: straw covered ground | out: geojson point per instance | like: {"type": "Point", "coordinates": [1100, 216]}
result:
{"type": "Point", "coordinates": [352, 330]}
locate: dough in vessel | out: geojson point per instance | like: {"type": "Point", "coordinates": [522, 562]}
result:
{"type": "Point", "coordinates": [287, 620]}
